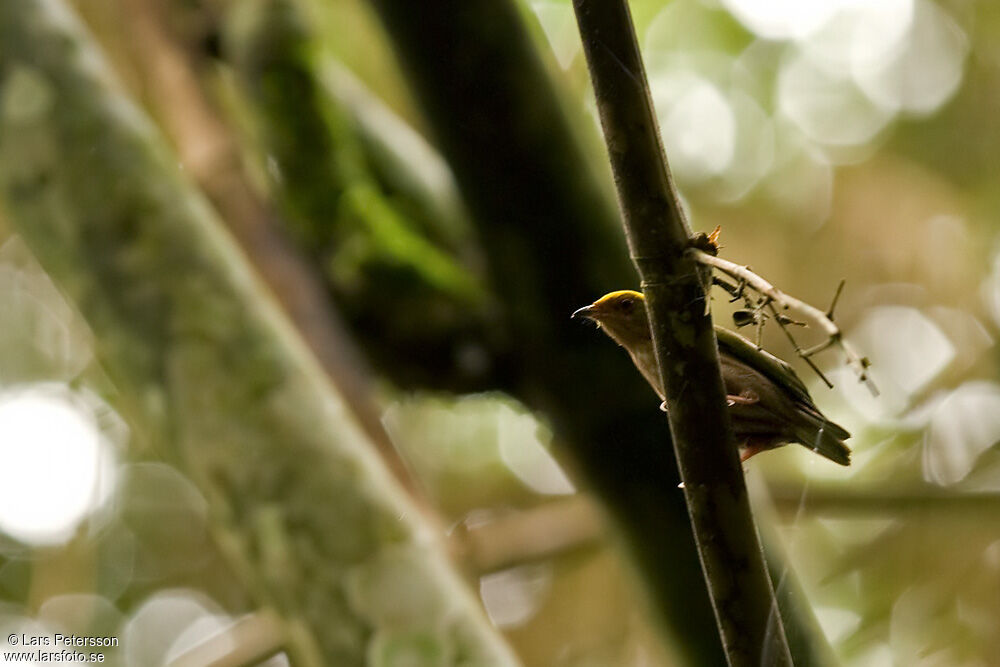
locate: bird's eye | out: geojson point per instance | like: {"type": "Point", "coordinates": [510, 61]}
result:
{"type": "Point", "coordinates": [627, 303]}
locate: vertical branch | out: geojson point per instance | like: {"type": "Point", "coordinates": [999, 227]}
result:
{"type": "Point", "coordinates": [550, 233]}
{"type": "Point", "coordinates": [731, 556]}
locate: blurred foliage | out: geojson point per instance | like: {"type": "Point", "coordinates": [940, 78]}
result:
{"type": "Point", "coordinates": [209, 374]}
{"type": "Point", "coordinates": [850, 140]}
{"type": "Point", "coordinates": [151, 535]}
{"type": "Point", "coordinates": [398, 269]}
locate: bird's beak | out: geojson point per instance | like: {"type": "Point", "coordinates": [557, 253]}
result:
{"type": "Point", "coordinates": [586, 311]}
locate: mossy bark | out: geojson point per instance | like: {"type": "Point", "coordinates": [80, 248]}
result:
{"type": "Point", "coordinates": [401, 277]}
{"type": "Point", "coordinates": [209, 373]}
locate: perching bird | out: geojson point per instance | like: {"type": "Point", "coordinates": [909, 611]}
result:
{"type": "Point", "coordinates": [769, 406]}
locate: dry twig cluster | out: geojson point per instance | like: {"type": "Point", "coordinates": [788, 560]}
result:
{"type": "Point", "coordinates": [763, 301]}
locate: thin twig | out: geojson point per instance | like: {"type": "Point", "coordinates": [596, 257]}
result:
{"type": "Point", "coordinates": [779, 299]}
{"type": "Point", "coordinates": [760, 317]}
{"type": "Point", "coordinates": [810, 351]}
{"type": "Point", "coordinates": [799, 351]}
{"type": "Point", "coordinates": [836, 296]}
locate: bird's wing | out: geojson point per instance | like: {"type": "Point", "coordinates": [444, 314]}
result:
{"type": "Point", "coordinates": [762, 408]}
{"type": "Point", "coordinates": [783, 376]}
{"type": "Point", "coordinates": [764, 362]}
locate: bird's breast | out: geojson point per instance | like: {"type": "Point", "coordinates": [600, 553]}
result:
{"type": "Point", "coordinates": [645, 360]}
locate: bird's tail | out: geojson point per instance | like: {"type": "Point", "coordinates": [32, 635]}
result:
{"type": "Point", "coordinates": [823, 437]}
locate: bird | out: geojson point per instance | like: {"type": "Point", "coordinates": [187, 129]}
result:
{"type": "Point", "coordinates": [769, 405]}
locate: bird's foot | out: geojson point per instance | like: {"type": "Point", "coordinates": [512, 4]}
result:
{"type": "Point", "coordinates": [744, 398]}
{"type": "Point", "coordinates": [752, 448]}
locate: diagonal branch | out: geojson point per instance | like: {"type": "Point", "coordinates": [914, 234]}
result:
{"type": "Point", "coordinates": [209, 152]}
{"type": "Point", "coordinates": [675, 290]}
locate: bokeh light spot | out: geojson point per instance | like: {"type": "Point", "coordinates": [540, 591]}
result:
{"type": "Point", "coordinates": [781, 19]}
{"type": "Point", "coordinates": [42, 337]}
{"type": "Point", "coordinates": [828, 107]}
{"type": "Point", "coordinates": [837, 623]}
{"type": "Point", "coordinates": [926, 69]}
{"type": "Point", "coordinates": [559, 26]}
{"type": "Point", "coordinates": [908, 351]}
{"type": "Point", "coordinates": [860, 34]}
{"type": "Point", "coordinates": [55, 466]}
{"type": "Point", "coordinates": [963, 426]}
{"type": "Point", "coordinates": [157, 629]}
{"type": "Point", "coordinates": [524, 454]}
{"type": "Point", "coordinates": [512, 596]}
{"type": "Point", "coordinates": [697, 123]}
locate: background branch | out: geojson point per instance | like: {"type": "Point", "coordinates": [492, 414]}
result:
{"type": "Point", "coordinates": [208, 150]}
{"type": "Point", "coordinates": [404, 275]}
{"type": "Point", "coordinates": [570, 525]}
{"type": "Point", "coordinates": [731, 556]}
{"type": "Point", "coordinates": [548, 224]}
{"type": "Point", "coordinates": [538, 533]}
{"type": "Point", "coordinates": [868, 501]}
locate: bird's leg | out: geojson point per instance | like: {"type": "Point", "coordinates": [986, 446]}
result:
{"type": "Point", "coordinates": [750, 449]}
{"type": "Point", "coordinates": [663, 406]}
{"type": "Point", "coordinates": [745, 397]}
